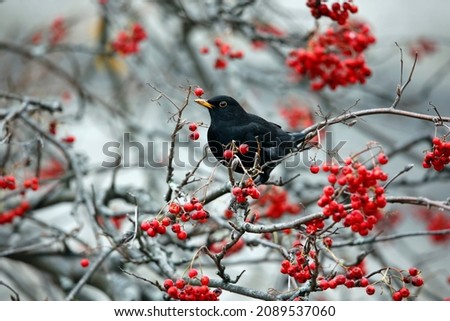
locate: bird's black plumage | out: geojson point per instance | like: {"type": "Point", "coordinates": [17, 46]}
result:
{"type": "Point", "coordinates": [268, 142]}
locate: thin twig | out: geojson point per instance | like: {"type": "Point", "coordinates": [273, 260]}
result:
{"type": "Point", "coordinates": [401, 88]}
{"type": "Point", "coordinates": [16, 294]}
{"type": "Point", "coordinates": [370, 240]}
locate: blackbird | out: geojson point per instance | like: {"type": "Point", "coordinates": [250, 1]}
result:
{"type": "Point", "coordinates": [232, 126]}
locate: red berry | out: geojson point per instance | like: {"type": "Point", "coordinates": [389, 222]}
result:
{"type": "Point", "coordinates": [180, 283]}
{"type": "Point", "coordinates": [192, 273]}
{"type": "Point", "coordinates": [404, 292]}
{"type": "Point", "coordinates": [69, 139]}
{"type": "Point", "coordinates": [350, 283]}
{"type": "Point", "coordinates": [328, 190]}
{"type": "Point", "coordinates": [228, 154]}
{"type": "Point", "coordinates": [413, 271]}
{"type": "Point", "coordinates": [436, 141]}
{"type": "Point", "coordinates": [188, 207]}
{"type": "Point", "coordinates": [194, 135]}
{"type": "Point", "coordinates": [172, 292]}
{"type": "Point", "coordinates": [204, 280]}
{"type": "Point", "coordinates": [174, 208]}
{"type": "Point", "coordinates": [239, 54]}
{"type": "Point", "coordinates": [198, 206]}
{"type": "Point", "coordinates": [417, 281]}
{"type": "Point", "coordinates": [328, 241]}
{"type": "Point", "coordinates": [167, 283]}
{"type": "Point", "coordinates": [182, 235]}
{"type": "Point", "coordinates": [193, 127]}
{"type": "Point", "coordinates": [151, 232]}
{"type": "Point", "coordinates": [204, 50]}
{"type": "Point", "coordinates": [334, 169]}
{"type": "Point", "coordinates": [236, 191]}
{"type": "Point", "coordinates": [161, 229]}
{"type": "Point", "coordinates": [185, 217]}
{"type": "Point", "coordinates": [363, 282]}
{"type": "Point", "coordinates": [323, 284]}
{"type": "Point", "coordinates": [370, 289]}
{"type": "Point", "coordinates": [199, 91]}
{"type": "Point", "coordinates": [241, 198]}
{"type": "Point", "coordinates": [228, 214]}
{"type": "Point", "coordinates": [220, 63]}
{"type": "Point", "coordinates": [243, 149]}
{"type": "Point", "coordinates": [314, 169]}
{"type": "Point", "coordinates": [340, 279]}
{"type": "Point", "coordinates": [166, 221]}
{"type": "Point", "coordinates": [397, 296]}
{"type": "Point", "coordinates": [382, 158]}
{"type": "Point", "coordinates": [332, 283]}
{"type": "Point", "coordinates": [84, 263]}
{"type": "Point", "coordinates": [176, 228]}
{"type": "Point", "coordinates": [145, 225]}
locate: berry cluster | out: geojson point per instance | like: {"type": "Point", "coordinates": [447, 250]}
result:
{"type": "Point", "coordinates": [435, 221]}
{"type": "Point", "coordinates": [192, 210]}
{"type": "Point", "coordinates": [439, 156]}
{"type": "Point", "coordinates": [334, 58]}
{"type": "Point", "coordinates": [336, 12]}
{"type": "Point", "coordinates": [275, 203]}
{"type": "Point", "coordinates": [194, 135]}
{"type": "Point", "coordinates": [183, 291]}
{"type": "Point", "coordinates": [52, 126]}
{"type": "Point", "coordinates": [31, 183]}
{"type": "Point", "coordinates": [353, 277]}
{"type": "Point", "coordinates": [348, 282]}
{"type": "Point", "coordinates": [301, 268]}
{"type": "Point", "coordinates": [297, 116]}
{"type": "Point", "coordinates": [155, 227]}
{"type": "Point", "coordinates": [412, 277]}
{"type": "Point", "coordinates": [226, 53]}
{"type": "Point", "coordinates": [266, 29]}
{"type": "Point", "coordinates": [58, 30]}
{"type": "Point", "coordinates": [19, 211]}
{"type": "Point", "coordinates": [362, 187]}
{"type": "Point", "coordinates": [51, 169]}
{"type": "Point", "coordinates": [249, 189]}
{"type": "Point", "coordinates": [422, 47]}
{"type": "Point", "coordinates": [8, 182]}
{"type": "Point", "coordinates": [127, 43]}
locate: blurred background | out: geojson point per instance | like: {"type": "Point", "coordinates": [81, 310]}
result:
{"type": "Point", "coordinates": [77, 53]}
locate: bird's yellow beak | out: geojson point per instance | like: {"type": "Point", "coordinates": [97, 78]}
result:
{"type": "Point", "coordinates": [204, 103]}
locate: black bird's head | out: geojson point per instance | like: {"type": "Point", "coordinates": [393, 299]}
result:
{"type": "Point", "coordinates": [223, 108]}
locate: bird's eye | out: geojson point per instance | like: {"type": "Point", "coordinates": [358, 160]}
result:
{"type": "Point", "coordinates": [223, 104]}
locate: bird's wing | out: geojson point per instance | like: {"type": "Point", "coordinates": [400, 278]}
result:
{"type": "Point", "coordinates": [275, 124]}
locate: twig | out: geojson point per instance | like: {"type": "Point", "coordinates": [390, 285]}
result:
{"type": "Point", "coordinates": [404, 170]}
{"type": "Point", "coordinates": [85, 278]}
{"type": "Point", "coordinates": [252, 228]}
{"type": "Point", "coordinates": [16, 294]}
{"type": "Point", "coordinates": [373, 111]}
{"type": "Point", "coordinates": [423, 201]}
{"type": "Point", "coordinates": [401, 88]}
{"type": "Point", "coordinates": [173, 136]}
{"type": "Point", "coordinates": [54, 106]}
{"type": "Point", "coordinates": [386, 238]}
